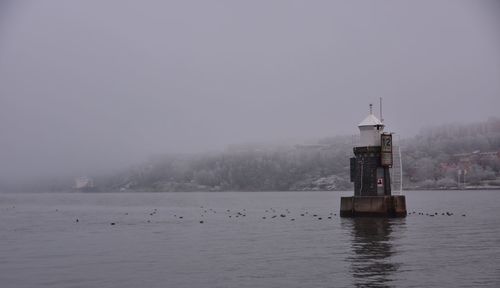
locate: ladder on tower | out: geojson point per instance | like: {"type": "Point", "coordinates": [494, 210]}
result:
{"type": "Point", "coordinates": [396, 171]}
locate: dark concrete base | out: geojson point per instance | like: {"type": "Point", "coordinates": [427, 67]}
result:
{"type": "Point", "coordinates": [375, 206]}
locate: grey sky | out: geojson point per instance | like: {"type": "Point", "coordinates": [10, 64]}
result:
{"type": "Point", "coordinates": [92, 85]}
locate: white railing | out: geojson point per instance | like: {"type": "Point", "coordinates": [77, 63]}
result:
{"type": "Point", "coordinates": [396, 171]}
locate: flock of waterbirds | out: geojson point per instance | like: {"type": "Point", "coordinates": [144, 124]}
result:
{"type": "Point", "coordinates": [273, 213]}
{"type": "Point", "coordinates": [447, 213]}
{"type": "Point", "coordinates": [270, 213]}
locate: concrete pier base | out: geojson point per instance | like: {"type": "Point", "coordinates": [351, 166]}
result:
{"type": "Point", "coordinates": [378, 206]}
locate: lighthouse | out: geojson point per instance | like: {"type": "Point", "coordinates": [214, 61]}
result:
{"type": "Point", "coordinates": [369, 170]}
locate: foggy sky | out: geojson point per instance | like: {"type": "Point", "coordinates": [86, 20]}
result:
{"type": "Point", "coordinates": [89, 86]}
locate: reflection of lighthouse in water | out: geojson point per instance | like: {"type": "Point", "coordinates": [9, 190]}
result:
{"type": "Point", "coordinates": [371, 264]}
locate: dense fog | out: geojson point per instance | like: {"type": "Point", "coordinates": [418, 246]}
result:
{"type": "Point", "coordinates": [90, 87]}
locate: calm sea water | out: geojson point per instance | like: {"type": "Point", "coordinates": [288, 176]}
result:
{"type": "Point", "coordinates": [43, 245]}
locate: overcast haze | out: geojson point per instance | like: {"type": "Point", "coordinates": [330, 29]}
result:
{"type": "Point", "coordinates": [88, 86]}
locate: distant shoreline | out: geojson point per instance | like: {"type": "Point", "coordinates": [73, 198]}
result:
{"type": "Point", "coordinates": [451, 189]}
{"type": "Point", "coordinates": [240, 191]}
{"type": "Point", "coordinates": [285, 191]}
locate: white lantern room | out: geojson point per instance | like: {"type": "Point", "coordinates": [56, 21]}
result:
{"type": "Point", "coordinates": [370, 130]}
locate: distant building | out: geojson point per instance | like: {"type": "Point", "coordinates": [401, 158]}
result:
{"type": "Point", "coordinates": [476, 156]}
{"type": "Point", "coordinates": [489, 155]}
{"type": "Point", "coordinates": [84, 183]}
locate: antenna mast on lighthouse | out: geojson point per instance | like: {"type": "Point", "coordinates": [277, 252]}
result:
{"type": "Point", "coordinates": [381, 117]}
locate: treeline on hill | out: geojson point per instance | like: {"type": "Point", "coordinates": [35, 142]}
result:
{"type": "Point", "coordinates": [322, 166]}
{"type": "Point", "coordinates": [440, 157]}
{"type": "Point", "coordinates": [453, 155]}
